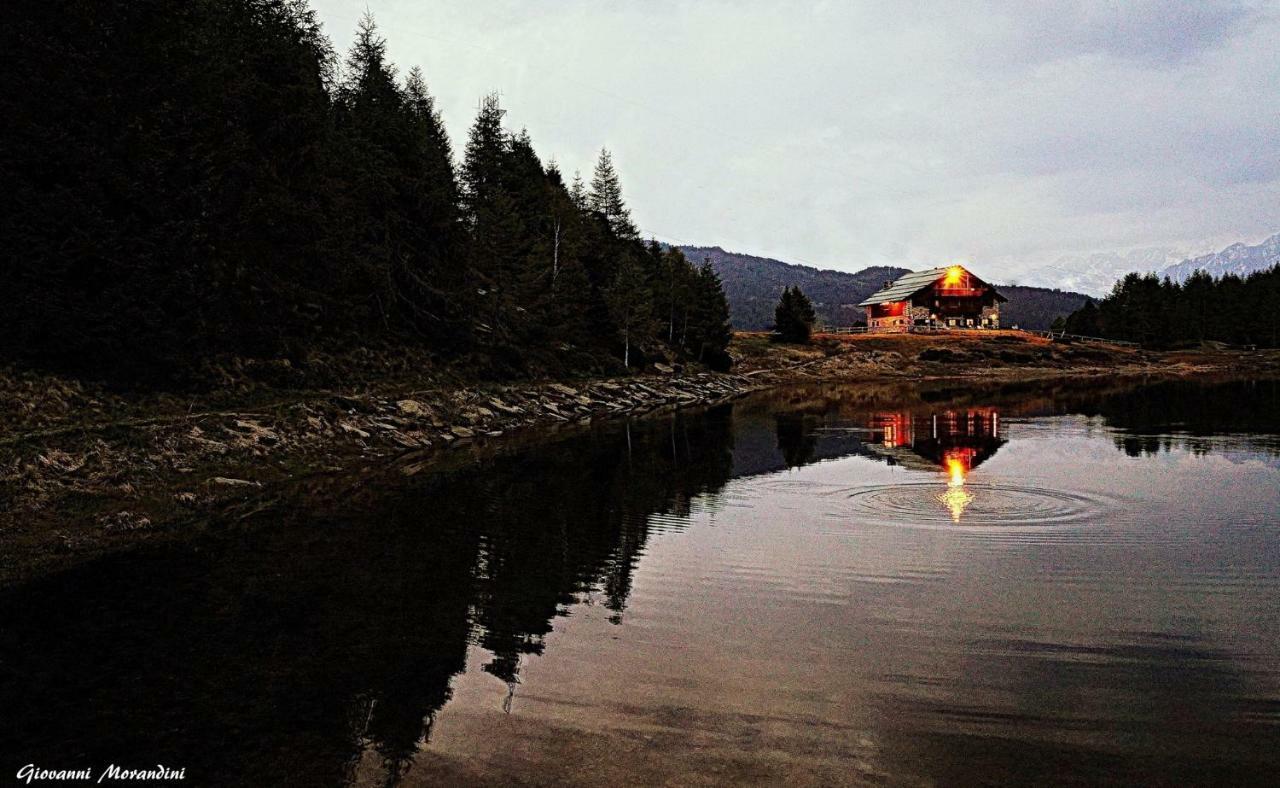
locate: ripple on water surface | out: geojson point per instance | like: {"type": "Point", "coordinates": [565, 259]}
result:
{"type": "Point", "coordinates": [978, 505]}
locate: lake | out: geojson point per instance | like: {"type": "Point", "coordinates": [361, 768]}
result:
{"type": "Point", "coordinates": [913, 585]}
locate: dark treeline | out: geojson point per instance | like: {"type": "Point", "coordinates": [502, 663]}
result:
{"type": "Point", "coordinates": [1163, 313]}
{"type": "Point", "coordinates": [185, 180]}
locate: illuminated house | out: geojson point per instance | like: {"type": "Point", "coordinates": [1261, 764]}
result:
{"type": "Point", "coordinates": [938, 298]}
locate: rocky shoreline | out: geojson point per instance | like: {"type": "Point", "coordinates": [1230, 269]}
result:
{"type": "Point", "coordinates": [79, 477]}
{"type": "Point", "coordinates": [79, 491]}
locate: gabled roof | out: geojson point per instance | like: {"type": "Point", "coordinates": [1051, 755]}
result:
{"type": "Point", "coordinates": [904, 286]}
{"type": "Point", "coordinates": [908, 285]}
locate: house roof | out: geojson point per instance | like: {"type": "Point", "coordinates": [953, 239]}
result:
{"type": "Point", "coordinates": [908, 285]}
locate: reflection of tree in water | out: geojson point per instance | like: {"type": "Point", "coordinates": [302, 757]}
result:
{"type": "Point", "coordinates": [309, 646]}
{"type": "Point", "coordinates": [561, 524]}
{"type": "Point", "coordinates": [1192, 416]}
{"type": "Point", "coordinates": [324, 638]}
{"type": "Point", "coordinates": [797, 439]}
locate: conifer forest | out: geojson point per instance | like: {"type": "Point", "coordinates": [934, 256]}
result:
{"type": "Point", "coordinates": [192, 181]}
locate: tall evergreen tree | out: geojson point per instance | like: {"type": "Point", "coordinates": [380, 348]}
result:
{"type": "Point", "coordinates": [712, 309]}
{"type": "Point", "coordinates": [794, 316]}
{"type": "Point", "coordinates": [605, 197]}
{"type": "Point", "coordinates": [491, 215]}
{"type": "Point", "coordinates": [578, 192]}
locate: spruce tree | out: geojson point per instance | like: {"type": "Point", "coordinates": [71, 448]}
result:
{"type": "Point", "coordinates": [490, 214]}
{"type": "Point", "coordinates": [578, 192]}
{"type": "Point", "coordinates": [605, 197]}
{"type": "Point", "coordinates": [430, 281]}
{"type": "Point", "coordinates": [712, 310]}
{"type": "Point", "coordinates": [373, 123]}
{"type": "Point", "coordinates": [793, 318]}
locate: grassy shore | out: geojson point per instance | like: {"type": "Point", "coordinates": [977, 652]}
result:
{"type": "Point", "coordinates": [84, 470]}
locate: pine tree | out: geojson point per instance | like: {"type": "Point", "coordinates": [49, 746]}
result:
{"type": "Point", "coordinates": [490, 214]}
{"type": "Point", "coordinates": [605, 197]}
{"type": "Point", "coordinates": [712, 311]}
{"type": "Point", "coordinates": [793, 318]}
{"type": "Point", "coordinates": [482, 162]}
{"type": "Point", "coordinates": [429, 281]}
{"type": "Point", "coordinates": [1084, 321]}
{"type": "Point", "coordinates": [373, 123]}
{"type": "Point", "coordinates": [578, 192]}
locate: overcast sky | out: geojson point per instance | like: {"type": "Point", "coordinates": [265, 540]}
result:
{"type": "Point", "coordinates": [846, 134]}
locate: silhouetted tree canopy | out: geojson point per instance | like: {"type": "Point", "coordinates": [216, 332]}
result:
{"type": "Point", "coordinates": [1163, 313]}
{"type": "Point", "coordinates": [189, 181]}
{"type": "Point", "coordinates": [793, 318]}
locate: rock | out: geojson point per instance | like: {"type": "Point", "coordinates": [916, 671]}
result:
{"type": "Point", "coordinates": [563, 389]}
{"type": "Point", "coordinates": [229, 482]}
{"type": "Point", "coordinates": [352, 429]}
{"type": "Point", "coordinates": [253, 432]}
{"type": "Point", "coordinates": [501, 406]}
{"type": "Point", "coordinates": [407, 441]}
{"type": "Point", "coordinates": [664, 369]}
{"type": "Point", "coordinates": [462, 432]}
{"type": "Point", "coordinates": [185, 498]}
{"type": "Point", "coordinates": [411, 407]}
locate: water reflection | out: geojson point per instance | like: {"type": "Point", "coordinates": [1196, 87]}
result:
{"type": "Point", "coordinates": [324, 638]}
{"type": "Point", "coordinates": [957, 441]}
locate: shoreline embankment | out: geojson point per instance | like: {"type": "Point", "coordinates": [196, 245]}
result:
{"type": "Point", "coordinates": [83, 473]}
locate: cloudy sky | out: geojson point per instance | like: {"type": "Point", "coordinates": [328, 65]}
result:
{"type": "Point", "coordinates": [846, 134]}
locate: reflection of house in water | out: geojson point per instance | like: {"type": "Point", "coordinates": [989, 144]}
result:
{"type": "Point", "coordinates": [956, 441]}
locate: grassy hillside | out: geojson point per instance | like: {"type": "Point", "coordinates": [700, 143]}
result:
{"type": "Point", "coordinates": [753, 285]}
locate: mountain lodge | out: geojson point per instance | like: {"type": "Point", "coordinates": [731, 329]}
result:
{"type": "Point", "coordinates": [950, 297]}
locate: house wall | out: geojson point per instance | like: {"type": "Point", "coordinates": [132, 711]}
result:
{"type": "Point", "coordinates": [888, 317]}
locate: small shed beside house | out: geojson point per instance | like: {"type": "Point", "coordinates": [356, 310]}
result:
{"type": "Point", "coordinates": [950, 297]}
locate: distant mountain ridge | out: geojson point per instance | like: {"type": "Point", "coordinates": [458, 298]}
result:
{"type": "Point", "coordinates": [1238, 258]}
{"type": "Point", "coordinates": [1095, 274]}
{"type": "Point", "coordinates": [753, 285]}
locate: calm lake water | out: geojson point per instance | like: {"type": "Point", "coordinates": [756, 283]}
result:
{"type": "Point", "coordinates": [840, 585]}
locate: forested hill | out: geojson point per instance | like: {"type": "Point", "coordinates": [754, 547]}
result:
{"type": "Point", "coordinates": [753, 285]}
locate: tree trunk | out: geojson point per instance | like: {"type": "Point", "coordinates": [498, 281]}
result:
{"type": "Point", "coordinates": [555, 257]}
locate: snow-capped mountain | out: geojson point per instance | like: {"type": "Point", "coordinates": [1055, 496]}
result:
{"type": "Point", "coordinates": [1096, 273]}
{"type": "Point", "coordinates": [1237, 259]}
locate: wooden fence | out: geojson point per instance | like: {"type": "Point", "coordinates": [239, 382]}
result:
{"type": "Point", "coordinates": [1056, 335]}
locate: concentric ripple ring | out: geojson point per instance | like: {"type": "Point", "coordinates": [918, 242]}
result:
{"type": "Point", "coordinates": [978, 504]}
